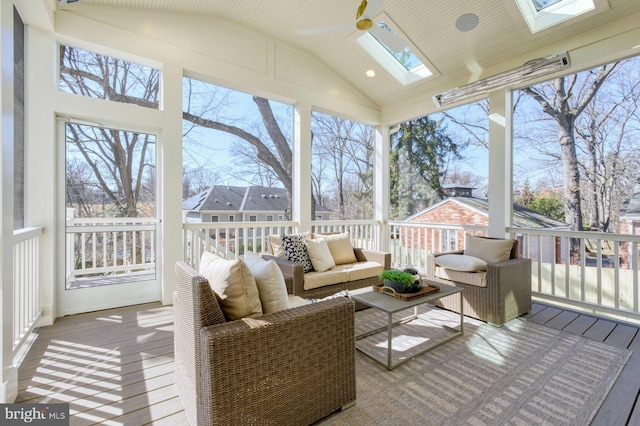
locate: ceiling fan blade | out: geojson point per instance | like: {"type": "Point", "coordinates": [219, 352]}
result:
{"type": "Point", "coordinates": [324, 30]}
{"type": "Point", "coordinates": [391, 40]}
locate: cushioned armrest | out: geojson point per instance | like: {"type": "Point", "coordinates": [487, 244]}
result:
{"type": "Point", "coordinates": [277, 358]}
{"type": "Point", "coordinates": [383, 258]}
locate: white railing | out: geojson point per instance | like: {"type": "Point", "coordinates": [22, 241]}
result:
{"type": "Point", "coordinates": [410, 242]}
{"type": "Point", "coordinates": [364, 234]}
{"type": "Point", "coordinates": [591, 271]}
{"type": "Point", "coordinates": [110, 246]}
{"type": "Point", "coordinates": [26, 284]}
{"type": "Point", "coordinates": [230, 239]}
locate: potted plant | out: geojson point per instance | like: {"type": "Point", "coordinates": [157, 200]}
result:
{"type": "Point", "coordinates": [400, 281]}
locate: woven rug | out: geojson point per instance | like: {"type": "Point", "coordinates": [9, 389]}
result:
{"type": "Point", "coordinates": [520, 374]}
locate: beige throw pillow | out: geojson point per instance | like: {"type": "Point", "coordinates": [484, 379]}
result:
{"type": "Point", "coordinates": [489, 250]}
{"type": "Point", "coordinates": [234, 283]}
{"type": "Point", "coordinates": [275, 246]}
{"type": "Point", "coordinates": [270, 281]}
{"type": "Point", "coordinates": [320, 255]}
{"type": "Point", "coordinates": [340, 247]}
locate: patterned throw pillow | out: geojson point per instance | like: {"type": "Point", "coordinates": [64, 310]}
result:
{"type": "Point", "coordinates": [295, 250]}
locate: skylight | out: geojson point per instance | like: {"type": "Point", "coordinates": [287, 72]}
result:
{"type": "Point", "coordinates": [542, 14]}
{"type": "Point", "coordinates": [391, 50]}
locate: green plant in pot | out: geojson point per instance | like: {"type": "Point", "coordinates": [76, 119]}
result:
{"type": "Point", "coordinates": [400, 281]}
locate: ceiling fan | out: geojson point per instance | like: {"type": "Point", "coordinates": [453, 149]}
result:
{"type": "Point", "coordinates": [364, 22]}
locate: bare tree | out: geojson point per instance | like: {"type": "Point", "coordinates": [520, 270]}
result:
{"type": "Point", "coordinates": [564, 99]}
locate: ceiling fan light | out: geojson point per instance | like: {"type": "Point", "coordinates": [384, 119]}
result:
{"type": "Point", "coordinates": [364, 24]}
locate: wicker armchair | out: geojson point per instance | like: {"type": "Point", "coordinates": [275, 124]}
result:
{"type": "Point", "coordinates": [291, 367]}
{"type": "Point", "coordinates": [506, 296]}
{"type": "Point", "coordinates": [294, 276]}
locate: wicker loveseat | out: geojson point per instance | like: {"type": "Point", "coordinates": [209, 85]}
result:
{"type": "Point", "coordinates": [500, 293]}
{"type": "Point", "coordinates": [291, 367]}
{"type": "Point", "coordinates": [295, 276]}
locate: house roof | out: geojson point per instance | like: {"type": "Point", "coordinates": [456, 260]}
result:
{"type": "Point", "coordinates": [631, 207]}
{"type": "Point", "coordinates": [522, 216]}
{"type": "Point", "coordinates": [501, 40]}
{"type": "Point", "coordinates": [241, 199]}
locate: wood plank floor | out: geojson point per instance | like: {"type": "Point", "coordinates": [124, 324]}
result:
{"type": "Point", "coordinates": [115, 367]}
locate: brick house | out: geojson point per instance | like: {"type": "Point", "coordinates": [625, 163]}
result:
{"type": "Point", "coordinates": [462, 208]}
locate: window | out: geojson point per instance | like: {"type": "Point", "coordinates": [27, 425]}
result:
{"type": "Point", "coordinates": [269, 218]}
{"type": "Point", "coordinates": [342, 167]}
{"type": "Point", "coordinates": [98, 76]}
{"type": "Point", "coordinates": [449, 239]}
{"type": "Point", "coordinates": [393, 52]}
{"type": "Point", "coordinates": [542, 14]}
{"type": "Point", "coordinates": [232, 218]}
{"type": "Point", "coordinates": [280, 217]}
{"type": "Point", "coordinates": [214, 218]}
{"type": "Point", "coordinates": [253, 218]}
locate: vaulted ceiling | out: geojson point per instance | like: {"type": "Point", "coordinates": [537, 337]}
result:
{"type": "Point", "coordinates": [500, 41]}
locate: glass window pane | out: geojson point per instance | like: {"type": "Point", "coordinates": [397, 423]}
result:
{"type": "Point", "coordinates": [99, 76]}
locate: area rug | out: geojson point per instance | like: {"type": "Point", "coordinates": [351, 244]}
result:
{"type": "Point", "coordinates": [519, 374]}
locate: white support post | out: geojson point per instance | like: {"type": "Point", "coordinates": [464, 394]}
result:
{"type": "Point", "coordinates": [170, 162]}
{"type": "Point", "coordinates": [9, 372]}
{"type": "Point", "coordinates": [381, 184]}
{"type": "Point", "coordinates": [302, 167]}
{"type": "Point", "coordinates": [500, 162]}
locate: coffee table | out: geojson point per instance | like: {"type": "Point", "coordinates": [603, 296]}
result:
{"type": "Point", "coordinates": [390, 305]}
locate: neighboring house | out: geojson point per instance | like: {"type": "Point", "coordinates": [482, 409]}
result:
{"type": "Point", "coordinates": [630, 218]}
{"type": "Point", "coordinates": [223, 203]}
{"type": "Point", "coordinates": [462, 208]}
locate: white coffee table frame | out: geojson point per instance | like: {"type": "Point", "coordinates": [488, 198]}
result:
{"type": "Point", "coordinates": [391, 305]}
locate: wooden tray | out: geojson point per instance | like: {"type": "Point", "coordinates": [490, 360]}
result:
{"type": "Point", "coordinates": [424, 290]}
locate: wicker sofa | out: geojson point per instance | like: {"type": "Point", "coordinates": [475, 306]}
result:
{"type": "Point", "coordinates": [295, 276]}
{"type": "Point", "coordinates": [506, 294]}
{"type": "Point", "coordinates": [291, 367]}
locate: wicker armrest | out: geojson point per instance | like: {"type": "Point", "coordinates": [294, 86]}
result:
{"type": "Point", "coordinates": [383, 258]}
{"type": "Point", "coordinates": [293, 273]}
{"type": "Point", "coordinates": [510, 273]}
{"type": "Point", "coordinates": [302, 354]}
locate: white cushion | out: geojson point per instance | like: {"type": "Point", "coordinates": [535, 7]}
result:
{"type": "Point", "coordinates": [340, 247]}
{"type": "Point", "coordinates": [461, 262]}
{"type": "Point", "coordinates": [489, 250]}
{"type": "Point", "coordinates": [320, 255]}
{"type": "Point", "coordinates": [478, 279]}
{"type": "Point", "coordinates": [361, 270]}
{"type": "Point", "coordinates": [295, 301]}
{"type": "Point", "coordinates": [270, 281]}
{"type": "Point", "coordinates": [234, 284]}
{"type": "Point", "coordinates": [275, 246]}
{"type": "Point", "coordinates": [320, 279]}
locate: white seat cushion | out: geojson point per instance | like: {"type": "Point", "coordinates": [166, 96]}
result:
{"type": "Point", "coordinates": [320, 279]}
{"type": "Point", "coordinates": [461, 262]}
{"type": "Point", "coordinates": [478, 279]}
{"type": "Point", "coordinates": [361, 270]}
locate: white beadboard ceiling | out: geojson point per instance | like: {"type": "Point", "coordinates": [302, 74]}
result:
{"type": "Point", "coordinates": [429, 24]}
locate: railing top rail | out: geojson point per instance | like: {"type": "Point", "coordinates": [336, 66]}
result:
{"type": "Point", "coordinates": [109, 228]}
{"type": "Point", "coordinates": [88, 221]}
{"type": "Point", "coordinates": [213, 225]}
{"type": "Point", "coordinates": [345, 222]}
{"type": "Point", "coordinates": [24, 234]}
{"type": "Point", "coordinates": [439, 225]}
{"type": "Point", "coordinates": [591, 235]}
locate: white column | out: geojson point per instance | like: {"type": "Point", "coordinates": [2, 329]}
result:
{"type": "Point", "coordinates": [301, 205]}
{"type": "Point", "coordinates": [42, 178]}
{"type": "Point", "coordinates": [170, 187]}
{"type": "Point", "coordinates": [9, 373]}
{"type": "Point", "coordinates": [500, 162]}
{"type": "Point", "coordinates": [381, 184]}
